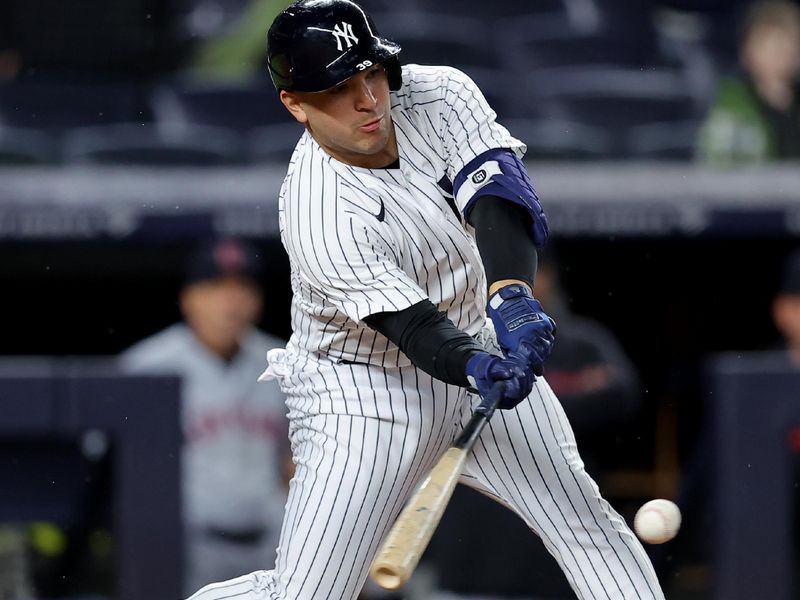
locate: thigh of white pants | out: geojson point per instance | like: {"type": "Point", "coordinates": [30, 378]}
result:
{"type": "Point", "coordinates": [354, 472]}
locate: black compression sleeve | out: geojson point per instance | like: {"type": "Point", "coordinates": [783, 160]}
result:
{"type": "Point", "coordinates": [429, 339]}
{"type": "Point", "coordinates": [501, 232]}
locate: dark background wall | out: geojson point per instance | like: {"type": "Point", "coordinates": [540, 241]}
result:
{"type": "Point", "coordinates": [671, 301]}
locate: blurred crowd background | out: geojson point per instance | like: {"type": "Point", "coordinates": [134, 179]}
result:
{"type": "Point", "coordinates": [183, 81]}
{"type": "Point", "coordinates": [142, 147]}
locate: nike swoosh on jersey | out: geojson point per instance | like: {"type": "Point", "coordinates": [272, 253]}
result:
{"type": "Point", "coordinates": [382, 213]}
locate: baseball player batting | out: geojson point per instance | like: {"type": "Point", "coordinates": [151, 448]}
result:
{"type": "Point", "coordinates": [411, 227]}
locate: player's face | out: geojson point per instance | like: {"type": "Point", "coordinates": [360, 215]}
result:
{"type": "Point", "coordinates": [221, 310]}
{"type": "Point", "coordinates": [351, 121]}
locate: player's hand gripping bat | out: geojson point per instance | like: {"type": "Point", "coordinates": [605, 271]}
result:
{"type": "Point", "coordinates": [408, 538]}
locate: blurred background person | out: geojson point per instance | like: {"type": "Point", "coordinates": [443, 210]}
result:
{"type": "Point", "coordinates": [786, 308]}
{"type": "Point", "coordinates": [786, 316]}
{"type": "Point", "coordinates": [235, 457]}
{"type": "Point", "coordinates": [599, 388]}
{"type": "Point", "coordinates": [756, 115]}
{"type": "Point", "coordinates": [589, 370]}
{"type": "Point", "coordinates": [697, 487]}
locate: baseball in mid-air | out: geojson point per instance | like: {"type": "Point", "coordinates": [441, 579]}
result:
{"type": "Point", "coordinates": [657, 521]}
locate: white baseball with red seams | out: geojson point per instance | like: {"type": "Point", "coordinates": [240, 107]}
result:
{"type": "Point", "coordinates": [657, 521]}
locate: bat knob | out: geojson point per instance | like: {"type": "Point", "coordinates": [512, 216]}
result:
{"type": "Point", "coordinates": [387, 577]}
{"type": "Point", "coordinates": [491, 400]}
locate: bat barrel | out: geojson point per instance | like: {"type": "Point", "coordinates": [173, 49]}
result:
{"type": "Point", "coordinates": [408, 538]}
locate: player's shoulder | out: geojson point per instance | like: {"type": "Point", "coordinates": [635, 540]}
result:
{"type": "Point", "coordinates": [310, 169]}
{"type": "Point", "coordinates": [159, 352]}
{"type": "Point", "coordinates": [430, 80]}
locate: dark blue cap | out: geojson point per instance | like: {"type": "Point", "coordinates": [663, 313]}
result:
{"type": "Point", "coordinates": [213, 259]}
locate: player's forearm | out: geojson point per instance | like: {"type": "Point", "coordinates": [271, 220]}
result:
{"type": "Point", "coordinates": [503, 238]}
{"type": "Point", "coordinates": [430, 340]}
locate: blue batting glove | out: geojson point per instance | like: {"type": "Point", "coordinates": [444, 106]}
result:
{"type": "Point", "coordinates": [523, 329]}
{"type": "Point", "coordinates": [484, 370]}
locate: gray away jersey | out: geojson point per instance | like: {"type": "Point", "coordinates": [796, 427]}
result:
{"type": "Point", "coordinates": [363, 241]}
{"type": "Point", "coordinates": [234, 428]}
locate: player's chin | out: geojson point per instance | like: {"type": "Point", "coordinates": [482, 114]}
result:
{"type": "Point", "coordinates": [373, 142]}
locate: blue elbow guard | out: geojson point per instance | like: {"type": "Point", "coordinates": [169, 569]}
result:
{"type": "Point", "coordinates": [500, 173]}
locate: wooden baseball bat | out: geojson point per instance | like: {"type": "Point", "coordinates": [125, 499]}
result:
{"type": "Point", "coordinates": [408, 538]}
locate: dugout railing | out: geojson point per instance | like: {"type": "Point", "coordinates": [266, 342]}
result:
{"type": "Point", "coordinates": [47, 402]}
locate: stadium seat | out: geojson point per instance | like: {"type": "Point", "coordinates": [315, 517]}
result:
{"type": "Point", "coordinates": [152, 145]}
{"type": "Point", "coordinates": [671, 140]}
{"type": "Point", "coordinates": [558, 139]}
{"type": "Point", "coordinates": [57, 106]}
{"type": "Point", "coordinates": [615, 100]}
{"type": "Point", "coordinates": [551, 47]}
{"type": "Point", "coordinates": [488, 11]}
{"type": "Point", "coordinates": [620, 111]}
{"type": "Point", "coordinates": [440, 39]}
{"type": "Point", "coordinates": [586, 33]}
{"type": "Point", "coordinates": [615, 95]}
{"type": "Point", "coordinates": [237, 107]}
{"type": "Point", "coordinates": [378, 6]}
{"type": "Point", "coordinates": [683, 38]}
{"type": "Point", "coordinates": [620, 81]}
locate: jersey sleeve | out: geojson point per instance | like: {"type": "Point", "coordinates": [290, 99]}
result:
{"type": "Point", "coordinates": [343, 257]}
{"type": "Point", "coordinates": [468, 126]}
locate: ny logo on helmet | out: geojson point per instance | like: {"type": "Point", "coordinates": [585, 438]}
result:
{"type": "Point", "coordinates": [344, 32]}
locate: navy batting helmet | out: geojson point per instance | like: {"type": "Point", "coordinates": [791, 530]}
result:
{"type": "Point", "coordinates": [314, 45]}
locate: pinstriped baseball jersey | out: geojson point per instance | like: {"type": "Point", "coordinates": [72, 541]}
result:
{"type": "Point", "coordinates": [366, 424]}
{"type": "Point", "coordinates": [363, 241]}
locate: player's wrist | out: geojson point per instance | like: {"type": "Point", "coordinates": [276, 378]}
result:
{"type": "Point", "coordinates": [474, 365]}
{"type": "Point", "coordinates": [482, 371]}
{"type": "Point", "coordinates": [502, 283]}
{"type": "Point", "coordinates": [511, 293]}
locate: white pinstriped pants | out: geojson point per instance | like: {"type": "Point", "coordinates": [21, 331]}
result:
{"type": "Point", "coordinates": [363, 437]}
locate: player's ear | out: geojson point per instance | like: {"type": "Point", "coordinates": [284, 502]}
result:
{"type": "Point", "coordinates": [292, 103]}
